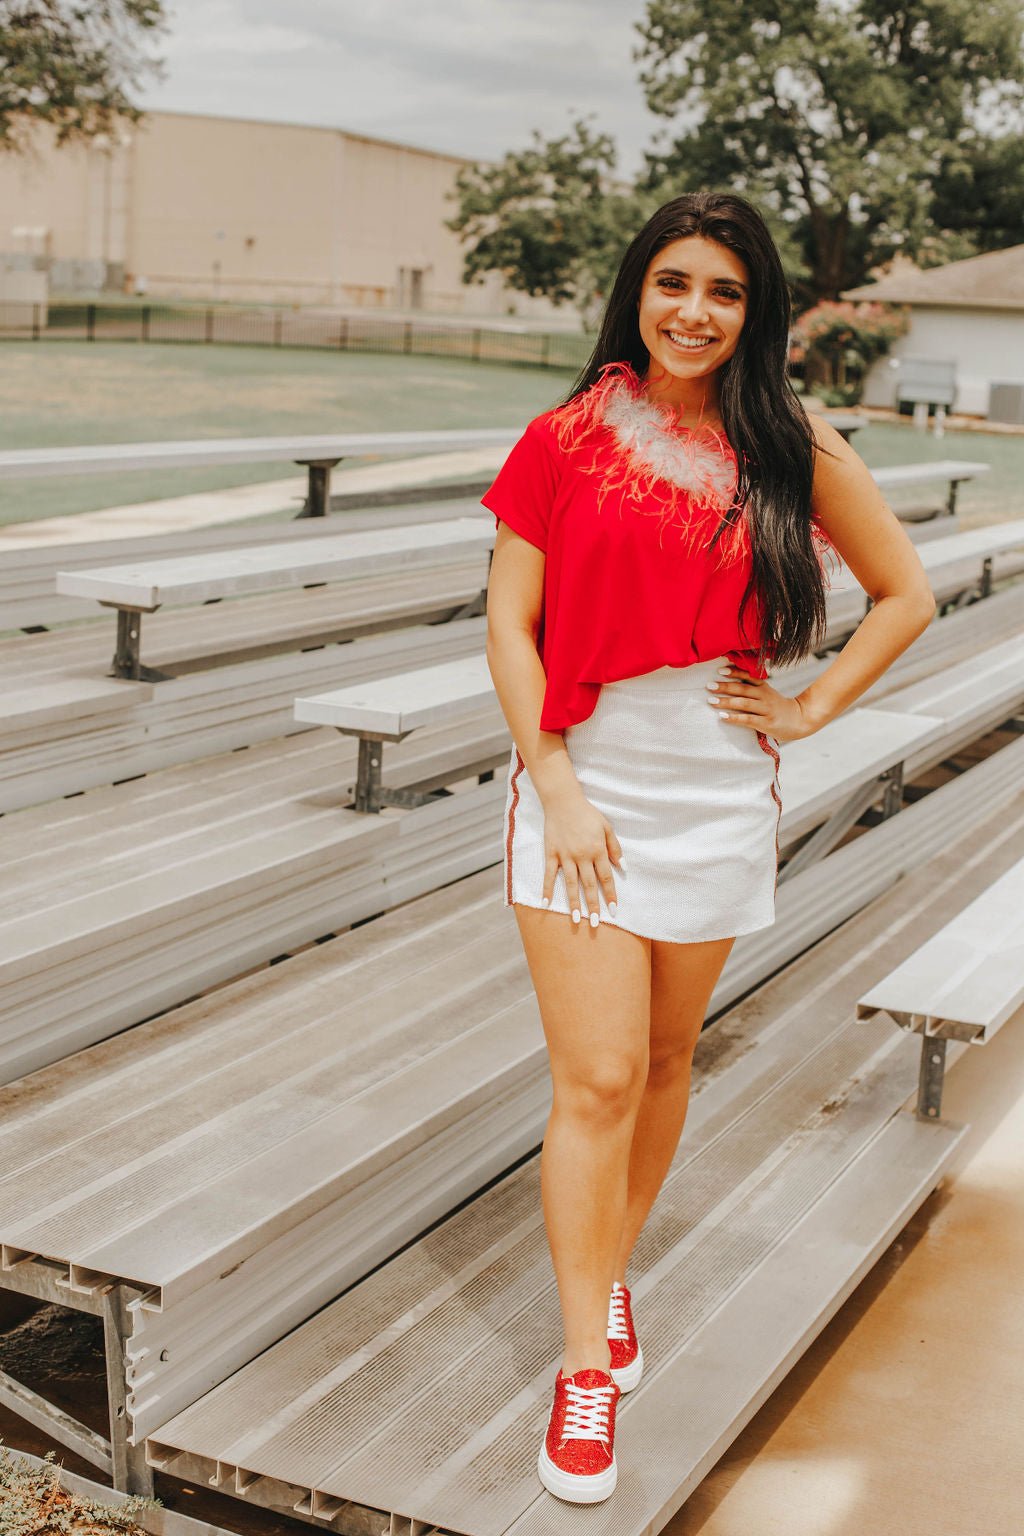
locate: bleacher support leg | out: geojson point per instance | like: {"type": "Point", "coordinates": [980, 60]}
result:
{"type": "Point", "coordinates": [318, 493]}
{"type": "Point", "coordinates": [368, 780]}
{"type": "Point", "coordinates": [127, 661]}
{"type": "Point", "coordinates": [129, 638]}
{"type": "Point", "coordinates": [929, 1083]}
{"type": "Point", "coordinates": [130, 1471]}
{"type": "Point", "coordinates": [892, 798]}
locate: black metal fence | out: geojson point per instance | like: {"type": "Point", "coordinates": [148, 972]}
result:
{"type": "Point", "coordinates": [265, 327]}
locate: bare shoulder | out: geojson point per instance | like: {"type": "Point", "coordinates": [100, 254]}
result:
{"type": "Point", "coordinates": [831, 446]}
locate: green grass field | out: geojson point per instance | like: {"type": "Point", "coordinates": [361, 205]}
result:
{"type": "Point", "coordinates": [108, 392]}
{"type": "Point", "coordinates": [73, 393]}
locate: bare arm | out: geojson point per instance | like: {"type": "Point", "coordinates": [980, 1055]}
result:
{"type": "Point", "coordinates": [876, 547]}
{"type": "Point", "coordinates": [577, 836]}
{"type": "Point", "coordinates": [514, 595]}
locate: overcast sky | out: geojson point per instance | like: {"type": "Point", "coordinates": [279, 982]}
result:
{"type": "Point", "coordinates": [471, 77]}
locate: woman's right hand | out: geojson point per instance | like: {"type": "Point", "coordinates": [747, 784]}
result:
{"type": "Point", "coordinates": [582, 841]}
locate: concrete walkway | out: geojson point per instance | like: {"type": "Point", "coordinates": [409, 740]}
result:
{"type": "Point", "coordinates": [202, 509]}
{"type": "Point", "coordinates": [905, 1415]}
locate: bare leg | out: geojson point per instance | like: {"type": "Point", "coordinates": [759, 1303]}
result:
{"type": "Point", "coordinates": [683, 977]}
{"type": "Point", "coordinates": [593, 987]}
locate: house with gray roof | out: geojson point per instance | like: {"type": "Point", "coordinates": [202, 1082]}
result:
{"type": "Point", "coordinates": [969, 313]}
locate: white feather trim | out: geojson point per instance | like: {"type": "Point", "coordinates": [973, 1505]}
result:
{"type": "Point", "coordinates": [679, 456]}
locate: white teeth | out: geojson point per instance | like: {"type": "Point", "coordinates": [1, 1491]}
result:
{"type": "Point", "coordinates": [694, 343]}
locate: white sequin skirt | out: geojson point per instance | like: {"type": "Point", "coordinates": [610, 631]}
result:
{"type": "Point", "coordinates": [695, 801]}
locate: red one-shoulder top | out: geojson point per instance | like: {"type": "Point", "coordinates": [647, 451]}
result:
{"type": "Point", "coordinates": [624, 504]}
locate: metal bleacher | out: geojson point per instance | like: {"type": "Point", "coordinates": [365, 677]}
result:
{"type": "Point", "coordinates": [275, 1077]}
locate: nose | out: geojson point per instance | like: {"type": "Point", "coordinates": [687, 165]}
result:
{"type": "Point", "coordinates": [693, 308]}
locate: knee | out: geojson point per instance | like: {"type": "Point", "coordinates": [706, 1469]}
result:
{"type": "Point", "coordinates": [670, 1063]}
{"type": "Point", "coordinates": [607, 1093]}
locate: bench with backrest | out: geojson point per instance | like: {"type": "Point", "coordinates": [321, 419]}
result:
{"type": "Point", "coordinates": [145, 585]}
{"type": "Point", "coordinates": [963, 983]}
{"type": "Point", "coordinates": [798, 1166]}
{"type": "Point", "coordinates": [364, 1087]}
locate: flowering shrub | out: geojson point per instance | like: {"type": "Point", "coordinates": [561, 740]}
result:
{"type": "Point", "coordinates": [838, 341]}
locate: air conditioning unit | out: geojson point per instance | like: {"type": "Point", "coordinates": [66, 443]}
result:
{"type": "Point", "coordinates": [1006, 403]}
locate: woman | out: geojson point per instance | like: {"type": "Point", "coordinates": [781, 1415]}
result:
{"type": "Point", "coordinates": [661, 537]}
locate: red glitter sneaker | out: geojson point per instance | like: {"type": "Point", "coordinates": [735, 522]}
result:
{"type": "Point", "coordinates": [577, 1458]}
{"type": "Point", "coordinates": [627, 1356]}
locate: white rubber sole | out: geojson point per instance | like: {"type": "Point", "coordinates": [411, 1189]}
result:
{"type": "Point", "coordinates": [573, 1488]}
{"type": "Point", "coordinates": [629, 1376]}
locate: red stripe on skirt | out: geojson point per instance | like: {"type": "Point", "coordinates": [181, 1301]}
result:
{"type": "Point", "coordinates": [520, 765]}
{"type": "Point", "coordinates": [766, 746]}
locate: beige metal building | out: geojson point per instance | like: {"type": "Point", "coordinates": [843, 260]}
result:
{"type": "Point", "coordinates": [192, 206]}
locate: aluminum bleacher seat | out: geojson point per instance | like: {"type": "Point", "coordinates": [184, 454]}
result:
{"type": "Point", "coordinates": [963, 983]}
{"type": "Point", "coordinates": [799, 1164]}
{"type": "Point", "coordinates": [209, 1160]}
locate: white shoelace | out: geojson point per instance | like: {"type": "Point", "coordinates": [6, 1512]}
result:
{"type": "Point", "coordinates": [586, 1417]}
{"type": "Point", "coordinates": [617, 1317]}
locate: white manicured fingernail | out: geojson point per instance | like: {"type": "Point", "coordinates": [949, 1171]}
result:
{"type": "Point", "coordinates": [594, 919]}
{"type": "Point", "coordinates": [612, 908]}
{"type": "Point", "coordinates": [545, 902]}
{"type": "Point", "coordinates": [575, 914]}
{"type": "Point", "coordinates": [622, 863]}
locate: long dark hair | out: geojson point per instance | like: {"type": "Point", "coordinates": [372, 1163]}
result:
{"type": "Point", "coordinates": [763, 417]}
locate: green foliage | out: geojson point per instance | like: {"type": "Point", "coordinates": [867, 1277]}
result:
{"type": "Point", "coordinates": [33, 1503]}
{"type": "Point", "coordinates": [838, 120]}
{"type": "Point", "coordinates": [837, 343]}
{"type": "Point", "coordinates": [549, 218]}
{"type": "Point", "coordinates": [979, 191]}
{"type": "Point", "coordinates": [72, 63]}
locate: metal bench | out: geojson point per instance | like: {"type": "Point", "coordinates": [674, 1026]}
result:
{"type": "Point", "coordinates": [319, 454]}
{"type": "Point", "coordinates": [111, 880]}
{"type": "Point", "coordinates": [798, 1166]}
{"type": "Point", "coordinates": [30, 602]}
{"type": "Point", "coordinates": [961, 568]}
{"type": "Point", "coordinates": [142, 588]}
{"type": "Point", "coordinates": [102, 730]}
{"type": "Point", "coordinates": [954, 472]}
{"type": "Point", "coordinates": [376, 1131]}
{"type": "Point", "coordinates": [961, 984]}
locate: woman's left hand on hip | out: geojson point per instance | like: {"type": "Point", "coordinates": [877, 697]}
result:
{"type": "Point", "coordinates": [747, 701]}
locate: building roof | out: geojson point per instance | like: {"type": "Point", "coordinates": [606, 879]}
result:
{"type": "Point", "coordinates": [992, 281]}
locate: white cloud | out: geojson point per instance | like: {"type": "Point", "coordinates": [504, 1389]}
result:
{"type": "Point", "coordinates": [471, 77]}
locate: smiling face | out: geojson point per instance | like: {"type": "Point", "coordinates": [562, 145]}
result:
{"type": "Point", "coordinates": [692, 308]}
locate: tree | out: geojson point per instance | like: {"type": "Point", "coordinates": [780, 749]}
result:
{"type": "Point", "coordinates": [72, 63]}
{"type": "Point", "coordinates": [836, 118]}
{"type": "Point", "coordinates": [549, 218]}
{"type": "Point", "coordinates": [979, 190]}
{"type": "Point", "coordinates": [837, 343]}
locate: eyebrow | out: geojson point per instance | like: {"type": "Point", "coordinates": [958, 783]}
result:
{"type": "Point", "coordinates": [676, 272]}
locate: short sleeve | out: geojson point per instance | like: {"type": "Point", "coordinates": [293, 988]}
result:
{"type": "Point", "coordinates": [524, 491]}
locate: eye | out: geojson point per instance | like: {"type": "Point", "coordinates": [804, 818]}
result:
{"type": "Point", "coordinates": [727, 293]}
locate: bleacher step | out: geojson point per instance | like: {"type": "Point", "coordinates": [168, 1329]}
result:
{"type": "Point", "coordinates": [424, 1391]}
{"type": "Point", "coordinates": [710, 1387]}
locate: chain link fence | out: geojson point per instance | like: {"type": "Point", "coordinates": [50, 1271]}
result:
{"type": "Point", "coordinates": [262, 327]}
